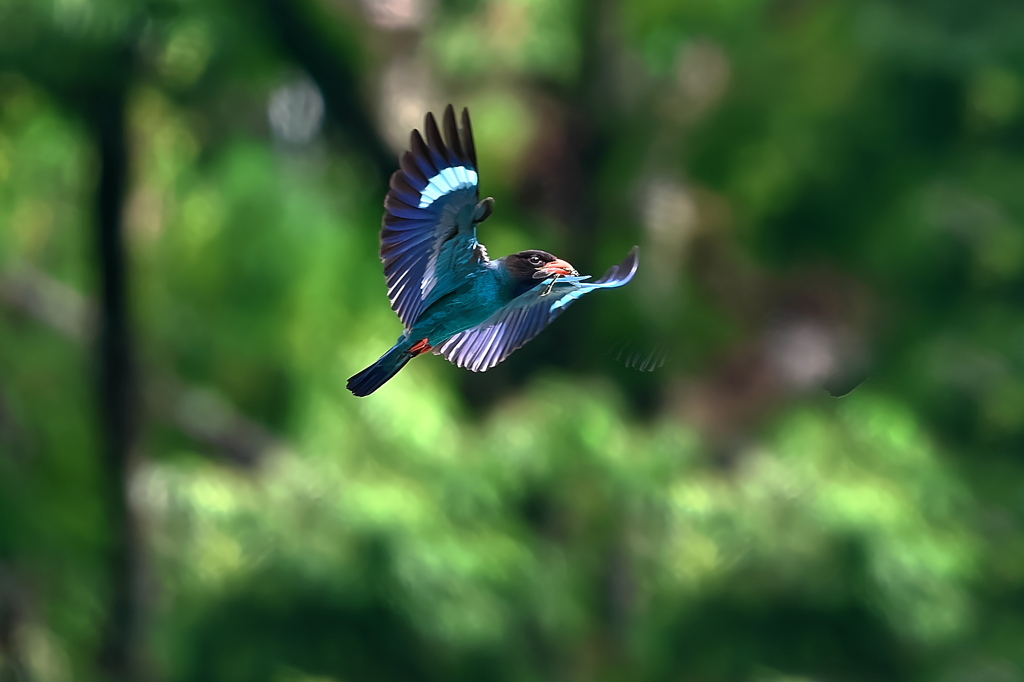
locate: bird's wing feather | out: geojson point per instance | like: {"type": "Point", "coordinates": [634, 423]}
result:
{"type": "Point", "coordinates": [428, 229]}
{"type": "Point", "coordinates": [482, 347]}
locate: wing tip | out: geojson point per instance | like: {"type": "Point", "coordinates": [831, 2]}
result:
{"type": "Point", "coordinates": [468, 144]}
{"type": "Point", "coordinates": [622, 273]}
{"type": "Point", "coordinates": [633, 258]}
{"type": "Point", "coordinates": [451, 133]}
{"type": "Point", "coordinates": [455, 145]}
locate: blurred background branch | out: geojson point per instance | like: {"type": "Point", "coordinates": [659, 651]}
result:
{"type": "Point", "coordinates": [201, 414]}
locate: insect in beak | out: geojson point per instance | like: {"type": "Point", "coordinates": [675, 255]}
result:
{"type": "Point", "coordinates": [556, 268]}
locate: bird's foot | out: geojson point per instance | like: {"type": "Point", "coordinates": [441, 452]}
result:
{"type": "Point", "coordinates": [420, 347]}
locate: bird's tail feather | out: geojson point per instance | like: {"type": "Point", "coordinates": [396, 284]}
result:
{"type": "Point", "coordinates": [377, 374]}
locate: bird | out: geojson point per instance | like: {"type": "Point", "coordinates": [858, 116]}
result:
{"type": "Point", "coordinates": [451, 298]}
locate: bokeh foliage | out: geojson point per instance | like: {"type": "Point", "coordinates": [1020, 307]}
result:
{"type": "Point", "coordinates": [821, 192]}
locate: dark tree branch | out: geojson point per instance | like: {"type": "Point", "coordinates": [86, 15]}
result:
{"type": "Point", "coordinates": [92, 80]}
{"type": "Point", "coordinates": [119, 655]}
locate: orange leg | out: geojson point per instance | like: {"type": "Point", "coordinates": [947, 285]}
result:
{"type": "Point", "coordinates": [420, 348]}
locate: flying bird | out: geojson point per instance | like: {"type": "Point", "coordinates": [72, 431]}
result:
{"type": "Point", "coordinates": [451, 297]}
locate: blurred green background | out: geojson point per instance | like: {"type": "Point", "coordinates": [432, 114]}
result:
{"type": "Point", "coordinates": [822, 191]}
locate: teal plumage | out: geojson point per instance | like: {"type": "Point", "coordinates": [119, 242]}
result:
{"type": "Point", "coordinates": [452, 299]}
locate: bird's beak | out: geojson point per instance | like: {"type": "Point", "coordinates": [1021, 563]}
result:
{"type": "Point", "coordinates": [556, 268]}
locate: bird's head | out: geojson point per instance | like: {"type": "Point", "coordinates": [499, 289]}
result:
{"type": "Point", "coordinates": [534, 264]}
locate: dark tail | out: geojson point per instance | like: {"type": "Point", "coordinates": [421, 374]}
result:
{"type": "Point", "coordinates": [378, 374]}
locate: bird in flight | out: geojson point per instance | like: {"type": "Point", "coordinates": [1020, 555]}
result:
{"type": "Point", "coordinates": [450, 296]}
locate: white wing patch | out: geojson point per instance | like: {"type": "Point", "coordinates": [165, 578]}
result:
{"type": "Point", "coordinates": [445, 182]}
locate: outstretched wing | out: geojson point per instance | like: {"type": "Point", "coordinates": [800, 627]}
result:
{"type": "Point", "coordinates": [429, 228]}
{"type": "Point", "coordinates": [482, 347]}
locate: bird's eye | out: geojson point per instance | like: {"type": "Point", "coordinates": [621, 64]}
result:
{"type": "Point", "coordinates": [534, 260]}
